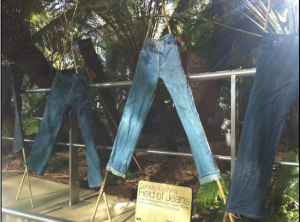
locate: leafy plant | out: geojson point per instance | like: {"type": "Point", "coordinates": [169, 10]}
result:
{"type": "Point", "coordinates": [209, 203]}
{"type": "Point", "coordinates": [283, 199]}
{"type": "Point", "coordinates": [130, 175]}
{"type": "Point", "coordinates": [110, 178]}
{"type": "Point", "coordinates": [59, 163]}
{"type": "Point", "coordinates": [282, 202]}
{"type": "Point", "coordinates": [31, 125]}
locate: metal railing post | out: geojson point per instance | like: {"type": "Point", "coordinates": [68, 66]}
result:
{"type": "Point", "coordinates": [73, 161]}
{"type": "Point", "coordinates": [233, 122]}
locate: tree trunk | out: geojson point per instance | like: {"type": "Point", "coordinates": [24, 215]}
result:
{"type": "Point", "coordinates": [96, 72]}
{"type": "Point", "coordinates": [220, 47]}
{"type": "Point", "coordinates": [164, 119]}
{"type": "Point", "coordinates": [112, 59]}
{"type": "Point", "coordinates": [184, 61]}
{"type": "Point", "coordinates": [9, 120]}
{"type": "Point", "coordinates": [103, 138]}
{"type": "Point", "coordinates": [18, 47]}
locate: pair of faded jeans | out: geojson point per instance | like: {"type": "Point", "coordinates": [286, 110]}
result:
{"type": "Point", "coordinates": [12, 79]}
{"type": "Point", "coordinates": [275, 87]}
{"type": "Point", "coordinates": [159, 59]}
{"type": "Point", "coordinates": [67, 92]}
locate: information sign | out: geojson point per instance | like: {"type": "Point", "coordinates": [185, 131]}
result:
{"type": "Point", "coordinates": [163, 203]}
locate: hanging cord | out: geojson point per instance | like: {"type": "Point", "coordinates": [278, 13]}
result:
{"type": "Point", "coordinates": [68, 32]}
{"type": "Point", "coordinates": [268, 14]}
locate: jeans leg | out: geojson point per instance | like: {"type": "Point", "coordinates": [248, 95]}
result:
{"type": "Point", "coordinates": [45, 141]}
{"type": "Point", "coordinates": [136, 109]}
{"type": "Point", "coordinates": [18, 129]}
{"type": "Point", "coordinates": [179, 89]}
{"type": "Point", "coordinates": [276, 84]}
{"type": "Point", "coordinates": [81, 98]}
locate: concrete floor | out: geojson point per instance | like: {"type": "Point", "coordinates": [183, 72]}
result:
{"type": "Point", "coordinates": [51, 199]}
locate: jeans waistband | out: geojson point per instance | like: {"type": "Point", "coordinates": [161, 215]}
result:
{"type": "Point", "coordinates": [60, 77]}
{"type": "Point", "coordinates": [279, 39]}
{"type": "Point", "coordinates": [164, 39]}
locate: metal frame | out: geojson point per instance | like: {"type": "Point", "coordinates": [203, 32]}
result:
{"type": "Point", "coordinates": [73, 146]}
{"type": "Point", "coordinates": [30, 216]}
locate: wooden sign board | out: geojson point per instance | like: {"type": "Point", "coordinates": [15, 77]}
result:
{"type": "Point", "coordinates": [163, 203]}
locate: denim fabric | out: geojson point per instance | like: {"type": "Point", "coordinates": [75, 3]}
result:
{"type": "Point", "coordinates": [276, 85]}
{"type": "Point", "coordinates": [12, 79]}
{"type": "Point", "coordinates": [159, 59]}
{"type": "Point", "coordinates": [66, 92]}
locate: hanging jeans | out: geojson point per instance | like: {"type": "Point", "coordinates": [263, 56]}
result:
{"type": "Point", "coordinates": [159, 59]}
{"type": "Point", "coordinates": [12, 79]}
{"type": "Point", "coordinates": [66, 92]}
{"type": "Point", "coordinates": [276, 85]}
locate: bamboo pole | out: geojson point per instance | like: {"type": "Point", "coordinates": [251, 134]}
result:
{"type": "Point", "coordinates": [224, 200]}
{"type": "Point", "coordinates": [22, 181]}
{"type": "Point", "coordinates": [99, 197]}
{"type": "Point", "coordinates": [108, 212]}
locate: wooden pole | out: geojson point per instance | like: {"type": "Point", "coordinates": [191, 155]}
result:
{"type": "Point", "coordinates": [99, 197]}
{"type": "Point", "coordinates": [224, 200]}
{"type": "Point", "coordinates": [22, 181]}
{"type": "Point", "coordinates": [108, 213]}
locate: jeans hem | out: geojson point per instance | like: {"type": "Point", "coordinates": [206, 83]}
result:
{"type": "Point", "coordinates": [114, 171]}
{"type": "Point", "coordinates": [37, 172]}
{"type": "Point", "coordinates": [209, 177]}
{"type": "Point", "coordinates": [17, 150]}
{"type": "Point", "coordinates": [93, 186]}
{"type": "Point", "coordinates": [246, 215]}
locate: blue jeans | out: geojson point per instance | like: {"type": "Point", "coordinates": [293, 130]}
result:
{"type": "Point", "coordinates": [159, 59]}
{"type": "Point", "coordinates": [66, 92]}
{"type": "Point", "coordinates": [276, 85]}
{"type": "Point", "coordinates": [12, 79]}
